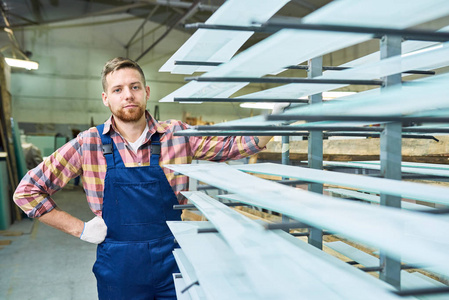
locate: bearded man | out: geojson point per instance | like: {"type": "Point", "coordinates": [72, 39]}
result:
{"type": "Point", "coordinates": [129, 191]}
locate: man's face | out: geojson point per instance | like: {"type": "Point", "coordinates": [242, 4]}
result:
{"type": "Point", "coordinates": [126, 95]}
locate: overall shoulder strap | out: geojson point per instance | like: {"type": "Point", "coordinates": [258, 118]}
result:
{"type": "Point", "coordinates": [155, 149]}
{"type": "Point", "coordinates": [106, 145]}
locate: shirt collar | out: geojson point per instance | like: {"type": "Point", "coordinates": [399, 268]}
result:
{"type": "Point", "coordinates": [153, 125]}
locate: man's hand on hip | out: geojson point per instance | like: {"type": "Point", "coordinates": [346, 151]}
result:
{"type": "Point", "coordinates": [94, 231]}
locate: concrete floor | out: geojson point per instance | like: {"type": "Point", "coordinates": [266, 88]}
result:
{"type": "Point", "coordinates": [46, 264]}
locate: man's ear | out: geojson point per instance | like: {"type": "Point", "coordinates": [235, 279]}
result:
{"type": "Point", "coordinates": [105, 99]}
{"type": "Point", "coordinates": [147, 91]}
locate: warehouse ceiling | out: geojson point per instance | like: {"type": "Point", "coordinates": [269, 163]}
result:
{"type": "Point", "coordinates": [22, 13]}
{"type": "Point", "coordinates": [19, 14]}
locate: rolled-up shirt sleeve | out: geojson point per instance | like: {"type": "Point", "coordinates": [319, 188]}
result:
{"type": "Point", "coordinates": [217, 148]}
{"type": "Point", "coordinates": [33, 194]}
{"type": "Point", "coordinates": [222, 148]}
{"type": "Point", "coordinates": [183, 149]}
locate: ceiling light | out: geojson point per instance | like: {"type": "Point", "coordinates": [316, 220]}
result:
{"type": "Point", "coordinates": [334, 95]}
{"type": "Point", "coordinates": [20, 63]}
{"type": "Point", "coordinates": [270, 105]}
{"type": "Point", "coordinates": [258, 105]}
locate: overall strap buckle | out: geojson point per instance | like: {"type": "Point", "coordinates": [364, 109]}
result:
{"type": "Point", "coordinates": [107, 149]}
{"type": "Point", "coordinates": [155, 149]}
{"type": "Point", "coordinates": [107, 146]}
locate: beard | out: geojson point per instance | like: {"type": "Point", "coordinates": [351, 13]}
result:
{"type": "Point", "coordinates": [128, 115]}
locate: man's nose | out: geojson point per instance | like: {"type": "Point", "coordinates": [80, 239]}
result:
{"type": "Point", "coordinates": [128, 93]}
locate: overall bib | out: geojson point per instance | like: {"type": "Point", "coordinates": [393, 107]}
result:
{"type": "Point", "coordinates": [135, 261]}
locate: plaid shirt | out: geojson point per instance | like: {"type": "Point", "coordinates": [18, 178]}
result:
{"type": "Point", "coordinates": [83, 156]}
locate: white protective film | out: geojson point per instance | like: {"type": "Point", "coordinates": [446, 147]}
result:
{"type": "Point", "coordinates": [282, 48]}
{"type": "Point", "coordinates": [410, 235]}
{"type": "Point", "coordinates": [220, 45]}
{"type": "Point", "coordinates": [426, 95]}
{"type": "Point", "coordinates": [218, 270]}
{"type": "Point", "coordinates": [274, 264]}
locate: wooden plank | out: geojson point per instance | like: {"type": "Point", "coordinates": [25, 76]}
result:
{"type": "Point", "coordinates": [5, 242]}
{"type": "Point", "coordinates": [383, 68]}
{"type": "Point", "coordinates": [408, 280]}
{"type": "Point", "coordinates": [220, 45]}
{"type": "Point", "coordinates": [274, 264]}
{"type": "Point", "coordinates": [180, 285]}
{"type": "Point", "coordinates": [361, 149]}
{"type": "Point", "coordinates": [292, 90]}
{"type": "Point", "coordinates": [406, 100]}
{"type": "Point", "coordinates": [381, 13]}
{"type": "Point", "coordinates": [280, 49]}
{"type": "Point", "coordinates": [411, 235]}
{"type": "Point", "coordinates": [345, 193]}
{"type": "Point", "coordinates": [409, 165]}
{"type": "Point", "coordinates": [375, 198]}
{"type": "Point", "coordinates": [355, 194]}
{"type": "Point", "coordinates": [412, 170]}
{"type": "Point", "coordinates": [188, 275]}
{"type": "Point", "coordinates": [436, 57]}
{"type": "Point", "coordinates": [188, 215]}
{"type": "Point", "coordinates": [417, 191]}
{"type": "Point", "coordinates": [427, 278]}
{"type": "Point", "coordinates": [219, 272]}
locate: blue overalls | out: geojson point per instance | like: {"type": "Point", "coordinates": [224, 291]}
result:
{"type": "Point", "coordinates": [135, 261]}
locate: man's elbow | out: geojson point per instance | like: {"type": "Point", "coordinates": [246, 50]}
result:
{"type": "Point", "coordinates": [31, 206]}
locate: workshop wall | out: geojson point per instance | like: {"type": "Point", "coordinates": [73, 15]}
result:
{"type": "Point", "coordinates": [66, 89]}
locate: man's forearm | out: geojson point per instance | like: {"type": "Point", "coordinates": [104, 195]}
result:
{"type": "Point", "coordinates": [63, 221]}
{"type": "Point", "coordinates": [263, 140]}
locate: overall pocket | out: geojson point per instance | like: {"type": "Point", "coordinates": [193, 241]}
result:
{"type": "Point", "coordinates": [123, 269]}
{"type": "Point", "coordinates": [139, 203]}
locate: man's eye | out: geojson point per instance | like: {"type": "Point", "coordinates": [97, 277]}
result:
{"type": "Point", "coordinates": [116, 90]}
{"type": "Point", "coordinates": [135, 87]}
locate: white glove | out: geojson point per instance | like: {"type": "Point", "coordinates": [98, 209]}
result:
{"type": "Point", "coordinates": [94, 231]}
{"type": "Point", "coordinates": [280, 107]}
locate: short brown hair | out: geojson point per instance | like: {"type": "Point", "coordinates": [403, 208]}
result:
{"type": "Point", "coordinates": [117, 64]}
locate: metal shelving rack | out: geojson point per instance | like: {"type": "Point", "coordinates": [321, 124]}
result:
{"type": "Point", "coordinates": [390, 132]}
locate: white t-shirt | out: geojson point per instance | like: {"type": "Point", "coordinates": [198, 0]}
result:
{"type": "Point", "coordinates": [134, 146]}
